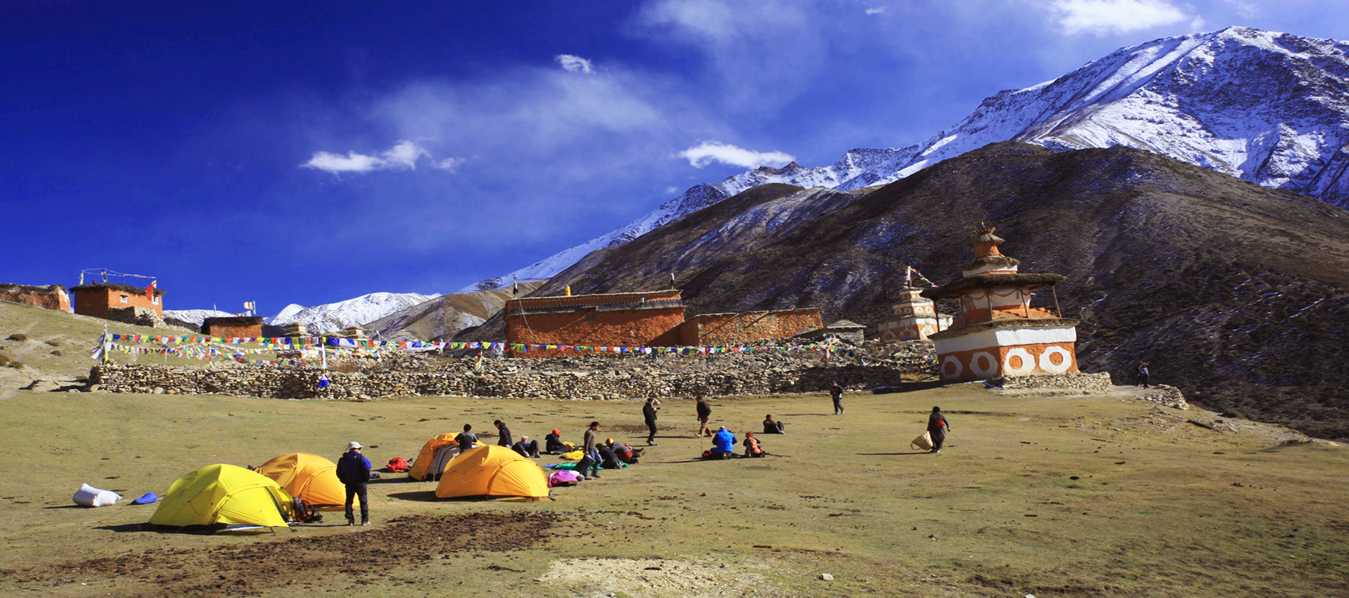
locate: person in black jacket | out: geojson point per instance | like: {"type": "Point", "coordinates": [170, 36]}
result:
{"type": "Point", "coordinates": [552, 443]}
{"type": "Point", "coordinates": [771, 426]}
{"type": "Point", "coordinates": [466, 439]}
{"type": "Point", "coordinates": [649, 414]}
{"type": "Point", "coordinates": [503, 434]}
{"type": "Point", "coordinates": [937, 427]}
{"type": "Point", "coordinates": [836, 393]}
{"type": "Point", "coordinates": [353, 470]}
{"type": "Point", "coordinates": [704, 412]}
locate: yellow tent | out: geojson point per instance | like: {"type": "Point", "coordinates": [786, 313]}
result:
{"type": "Point", "coordinates": [435, 455]}
{"type": "Point", "coordinates": [224, 496]}
{"type": "Point", "coordinates": [492, 471]}
{"type": "Point", "coordinates": [308, 477]}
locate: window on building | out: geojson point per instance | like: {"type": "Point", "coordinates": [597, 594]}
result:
{"type": "Point", "coordinates": [155, 299]}
{"type": "Point", "coordinates": [123, 298]}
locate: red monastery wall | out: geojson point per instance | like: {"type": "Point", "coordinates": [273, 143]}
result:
{"type": "Point", "coordinates": [96, 299]}
{"type": "Point", "coordinates": [624, 328]}
{"type": "Point", "coordinates": [236, 327]}
{"type": "Point", "coordinates": [722, 330]}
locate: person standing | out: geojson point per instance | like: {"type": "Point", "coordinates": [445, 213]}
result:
{"type": "Point", "coordinates": [937, 427]}
{"type": "Point", "coordinates": [704, 412]}
{"type": "Point", "coordinates": [649, 414]}
{"type": "Point", "coordinates": [503, 434]}
{"type": "Point", "coordinates": [353, 470]}
{"type": "Point", "coordinates": [466, 439]}
{"type": "Point", "coordinates": [1143, 374]}
{"type": "Point", "coordinates": [588, 449]}
{"type": "Point", "coordinates": [836, 393]}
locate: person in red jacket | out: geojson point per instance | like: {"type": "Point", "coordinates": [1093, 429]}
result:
{"type": "Point", "coordinates": [937, 426]}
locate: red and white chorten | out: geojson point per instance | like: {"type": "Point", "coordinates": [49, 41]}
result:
{"type": "Point", "coordinates": [914, 318]}
{"type": "Point", "coordinates": [999, 333]}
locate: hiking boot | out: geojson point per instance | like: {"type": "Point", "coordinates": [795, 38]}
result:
{"type": "Point", "coordinates": [651, 443]}
{"type": "Point", "coordinates": [366, 522]}
{"type": "Point", "coordinates": [351, 522]}
{"type": "Point", "coordinates": [595, 476]}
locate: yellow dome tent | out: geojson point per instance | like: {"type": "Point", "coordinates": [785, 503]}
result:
{"type": "Point", "coordinates": [492, 471]}
{"type": "Point", "coordinates": [308, 477]}
{"type": "Point", "coordinates": [226, 497]}
{"type": "Point", "coordinates": [435, 455]}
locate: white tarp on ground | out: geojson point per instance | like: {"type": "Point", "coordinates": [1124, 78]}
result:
{"type": "Point", "coordinates": [89, 496]}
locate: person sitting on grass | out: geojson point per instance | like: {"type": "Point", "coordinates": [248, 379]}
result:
{"type": "Point", "coordinates": [752, 448]}
{"type": "Point", "coordinates": [553, 445]}
{"type": "Point", "coordinates": [624, 452]}
{"type": "Point", "coordinates": [526, 447]}
{"type": "Point", "coordinates": [770, 426]}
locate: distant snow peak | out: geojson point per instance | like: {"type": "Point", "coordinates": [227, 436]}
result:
{"type": "Point", "coordinates": [362, 310]}
{"type": "Point", "coordinates": [1263, 106]}
{"type": "Point", "coordinates": [195, 316]}
{"type": "Point", "coordinates": [708, 152]}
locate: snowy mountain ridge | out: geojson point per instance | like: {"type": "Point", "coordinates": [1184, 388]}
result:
{"type": "Point", "coordinates": [332, 317]}
{"type": "Point", "coordinates": [195, 316]}
{"type": "Point", "coordinates": [1270, 108]}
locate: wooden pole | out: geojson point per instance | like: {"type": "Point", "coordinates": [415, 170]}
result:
{"type": "Point", "coordinates": [1052, 289]}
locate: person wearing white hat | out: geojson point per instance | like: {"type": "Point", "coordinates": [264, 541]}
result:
{"type": "Point", "coordinates": [353, 470]}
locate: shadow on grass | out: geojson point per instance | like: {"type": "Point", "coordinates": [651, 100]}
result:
{"type": "Point", "coordinates": [425, 496]}
{"type": "Point", "coordinates": [895, 454]}
{"type": "Point", "coordinates": [131, 527]}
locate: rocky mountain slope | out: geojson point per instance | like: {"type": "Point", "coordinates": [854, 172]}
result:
{"type": "Point", "coordinates": [1236, 293]}
{"type": "Point", "coordinates": [1266, 107]}
{"type": "Point", "coordinates": [443, 317]}
{"type": "Point", "coordinates": [332, 317]}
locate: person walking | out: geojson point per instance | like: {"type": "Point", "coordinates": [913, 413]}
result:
{"type": "Point", "coordinates": [1143, 374]}
{"type": "Point", "coordinates": [503, 434]}
{"type": "Point", "coordinates": [353, 470]}
{"type": "Point", "coordinates": [588, 449]}
{"type": "Point", "coordinates": [937, 427]}
{"type": "Point", "coordinates": [466, 439]}
{"type": "Point", "coordinates": [649, 414]}
{"type": "Point", "coordinates": [836, 393]}
{"type": "Point", "coordinates": [704, 412]}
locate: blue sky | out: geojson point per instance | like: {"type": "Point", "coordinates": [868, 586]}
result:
{"type": "Point", "coordinates": [310, 152]}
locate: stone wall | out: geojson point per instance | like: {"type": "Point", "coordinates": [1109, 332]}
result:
{"type": "Point", "coordinates": [569, 378]}
{"type": "Point", "coordinates": [50, 297]}
{"type": "Point", "coordinates": [731, 329]}
{"type": "Point", "coordinates": [1094, 383]}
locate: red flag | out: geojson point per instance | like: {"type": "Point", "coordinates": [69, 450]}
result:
{"type": "Point", "coordinates": [150, 291]}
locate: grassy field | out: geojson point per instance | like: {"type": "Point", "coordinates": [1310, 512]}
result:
{"type": "Point", "coordinates": [1063, 495]}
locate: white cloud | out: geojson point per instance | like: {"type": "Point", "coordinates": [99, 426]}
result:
{"type": "Point", "coordinates": [1245, 9]}
{"type": "Point", "coordinates": [402, 156]}
{"type": "Point", "coordinates": [876, 10]}
{"type": "Point", "coordinates": [672, 189]}
{"type": "Point", "coordinates": [711, 151]}
{"type": "Point", "coordinates": [1115, 16]}
{"type": "Point", "coordinates": [450, 164]}
{"type": "Point", "coordinates": [575, 64]}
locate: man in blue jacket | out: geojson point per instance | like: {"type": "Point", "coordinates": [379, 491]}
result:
{"type": "Point", "coordinates": [723, 444]}
{"type": "Point", "coordinates": [353, 470]}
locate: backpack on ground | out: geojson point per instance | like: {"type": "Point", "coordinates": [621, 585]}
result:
{"type": "Point", "coordinates": [306, 514]}
{"type": "Point", "coordinates": [398, 465]}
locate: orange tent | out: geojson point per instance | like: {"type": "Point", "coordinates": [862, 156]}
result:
{"type": "Point", "coordinates": [436, 453]}
{"type": "Point", "coordinates": [492, 471]}
{"type": "Point", "coordinates": [309, 477]}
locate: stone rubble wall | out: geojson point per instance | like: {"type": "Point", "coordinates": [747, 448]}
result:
{"type": "Point", "coordinates": [1093, 383]}
{"type": "Point", "coordinates": [1166, 396]}
{"type": "Point", "coordinates": [571, 378]}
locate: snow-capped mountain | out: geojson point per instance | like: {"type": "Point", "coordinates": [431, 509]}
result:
{"type": "Point", "coordinates": [195, 316]}
{"type": "Point", "coordinates": [1271, 108]}
{"type": "Point", "coordinates": [332, 317]}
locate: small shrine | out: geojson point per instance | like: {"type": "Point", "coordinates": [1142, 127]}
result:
{"type": "Point", "coordinates": [913, 318]}
{"type": "Point", "coordinates": [998, 332]}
